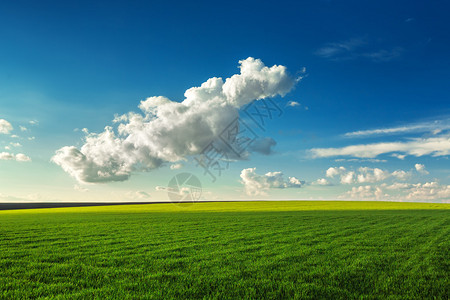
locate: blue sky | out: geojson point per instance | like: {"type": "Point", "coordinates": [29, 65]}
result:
{"type": "Point", "coordinates": [369, 119]}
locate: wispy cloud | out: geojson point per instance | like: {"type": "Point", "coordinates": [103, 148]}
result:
{"type": "Point", "coordinates": [434, 146]}
{"type": "Point", "coordinates": [15, 144]}
{"type": "Point", "coordinates": [357, 48]}
{"type": "Point", "coordinates": [341, 49]}
{"type": "Point", "coordinates": [138, 195]}
{"type": "Point", "coordinates": [371, 160]}
{"type": "Point", "coordinates": [35, 197]}
{"type": "Point", "coordinates": [383, 55]}
{"type": "Point", "coordinates": [80, 188]}
{"type": "Point", "coordinates": [434, 127]}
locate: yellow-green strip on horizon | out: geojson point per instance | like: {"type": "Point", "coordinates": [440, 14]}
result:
{"type": "Point", "coordinates": [238, 206]}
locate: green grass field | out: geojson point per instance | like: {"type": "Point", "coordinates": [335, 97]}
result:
{"type": "Point", "coordinates": [252, 250]}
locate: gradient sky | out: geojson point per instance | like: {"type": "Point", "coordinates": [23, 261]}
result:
{"type": "Point", "coordinates": [369, 119]}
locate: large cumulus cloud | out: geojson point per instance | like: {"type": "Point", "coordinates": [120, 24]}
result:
{"type": "Point", "coordinates": [169, 131]}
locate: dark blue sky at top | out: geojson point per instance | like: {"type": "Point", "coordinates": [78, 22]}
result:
{"type": "Point", "coordinates": [390, 65]}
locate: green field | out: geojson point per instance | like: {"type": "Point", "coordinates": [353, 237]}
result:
{"type": "Point", "coordinates": [252, 250]}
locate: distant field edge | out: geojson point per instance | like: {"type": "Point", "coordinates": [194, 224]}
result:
{"type": "Point", "coordinates": [24, 205]}
{"type": "Point", "coordinates": [216, 206]}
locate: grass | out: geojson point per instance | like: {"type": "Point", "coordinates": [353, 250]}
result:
{"type": "Point", "coordinates": [252, 250]}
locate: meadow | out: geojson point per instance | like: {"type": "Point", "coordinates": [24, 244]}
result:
{"type": "Point", "coordinates": [236, 250]}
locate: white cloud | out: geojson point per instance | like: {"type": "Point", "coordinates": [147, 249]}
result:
{"type": "Point", "coordinates": [256, 81]}
{"type": "Point", "coordinates": [259, 185]}
{"type": "Point", "coordinates": [372, 160]}
{"type": "Point", "coordinates": [434, 146]}
{"type": "Point", "coordinates": [293, 103]}
{"type": "Point", "coordinates": [401, 175]}
{"type": "Point", "coordinates": [364, 175]}
{"type": "Point", "coordinates": [399, 186]}
{"type": "Point", "coordinates": [176, 166]}
{"type": "Point", "coordinates": [321, 181]}
{"type": "Point", "coordinates": [34, 122]}
{"type": "Point", "coordinates": [371, 175]}
{"type": "Point", "coordinates": [429, 191]}
{"type": "Point", "coordinates": [399, 156]}
{"type": "Point", "coordinates": [22, 157]}
{"type": "Point", "coordinates": [364, 192]}
{"type": "Point", "coordinates": [421, 169]}
{"type": "Point", "coordinates": [18, 157]}
{"type": "Point", "coordinates": [168, 131]}
{"type": "Point", "coordinates": [15, 144]}
{"type": "Point", "coordinates": [23, 128]}
{"type": "Point", "coordinates": [331, 172]}
{"type": "Point", "coordinates": [293, 182]}
{"type": "Point", "coordinates": [7, 156]}
{"type": "Point", "coordinates": [5, 127]}
{"type": "Point", "coordinates": [101, 159]}
{"type": "Point", "coordinates": [434, 127]}
{"type": "Point", "coordinates": [347, 177]}
{"type": "Point", "coordinates": [297, 105]}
